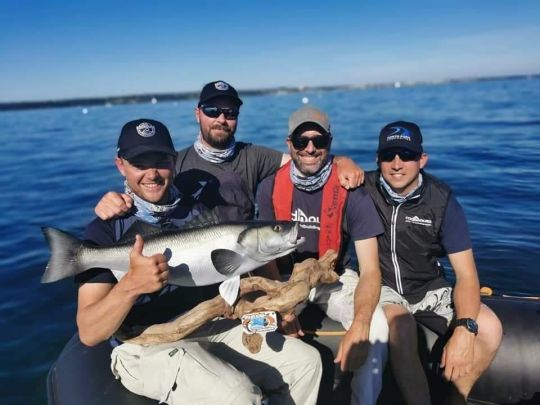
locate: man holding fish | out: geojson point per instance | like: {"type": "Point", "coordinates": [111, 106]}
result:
{"type": "Point", "coordinates": [212, 365]}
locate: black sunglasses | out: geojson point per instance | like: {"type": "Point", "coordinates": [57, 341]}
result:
{"type": "Point", "coordinates": [214, 112]}
{"type": "Point", "coordinates": [405, 155]}
{"type": "Point", "coordinates": [301, 142]}
{"type": "Point", "coordinates": [152, 161]}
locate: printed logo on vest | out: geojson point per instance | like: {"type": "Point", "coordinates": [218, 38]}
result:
{"type": "Point", "coordinates": [419, 221]}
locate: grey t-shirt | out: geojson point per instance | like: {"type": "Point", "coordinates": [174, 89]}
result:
{"type": "Point", "coordinates": [232, 183]}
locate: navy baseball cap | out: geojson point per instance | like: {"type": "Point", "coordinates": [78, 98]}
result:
{"type": "Point", "coordinates": [401, 134]}
{"type": "Point", "coordinates": [218, 89]}
{"type": "Point", "coordinates": [142, 136]}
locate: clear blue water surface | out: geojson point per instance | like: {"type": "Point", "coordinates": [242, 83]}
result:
{"type": "Point", "coordinates": [483, 138]}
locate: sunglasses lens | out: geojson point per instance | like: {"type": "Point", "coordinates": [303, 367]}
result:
{"type": "Point", "coordinates": [301, 142]}
{"type": "Point", "coordinates": [405, 155]}
{"type": "Point", "coordinates": [321, 142]}
{"type": "Point", "coordinates": [214, 112]}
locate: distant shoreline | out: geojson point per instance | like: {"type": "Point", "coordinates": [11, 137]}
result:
{"type": "Point", "coordinates": [159, 97]}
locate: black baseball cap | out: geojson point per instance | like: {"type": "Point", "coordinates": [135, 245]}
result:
{"type": "Point", "coordinates": [401, 134]}
{"type": "Point", "coordinates": [142, 136]}
{"type": "Point", "coordinates": [218, 89]}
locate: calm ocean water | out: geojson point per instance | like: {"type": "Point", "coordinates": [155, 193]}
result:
{"type": "Point", "coordinates": [482, 137]}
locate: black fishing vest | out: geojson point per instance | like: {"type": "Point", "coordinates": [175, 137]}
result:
{"type": "Point", "coordinates": [411, 244]}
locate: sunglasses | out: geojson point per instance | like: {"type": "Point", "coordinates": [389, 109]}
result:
{"type": "Point", "coordinates": [214, 112]}
{"type": "Point", "coordinates": [152, 161]}
{"type": "Point", "coordinates": [405, 155]}
{"type": "Point", "coordinates": [301, 142]}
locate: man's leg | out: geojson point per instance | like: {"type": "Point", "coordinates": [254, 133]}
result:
{"type": "Point", "coordinates": [406, 365]}
{"type": "Point", "coordinates": [181, 372]}
{"type": "Point", "coordinates": [286, 369]}
{"type": "Point", "coordinates": [486, 344]}
{"type": "Point", "coordinates": [337, 300]}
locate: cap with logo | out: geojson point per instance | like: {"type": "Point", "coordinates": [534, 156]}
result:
{"type": "Point", "coordinates": [401, 134]}
{"type": "Point", "coordinates": [218, 89]}
{"type": "Point", "coordinates": [142, 136]}
{"type": "Point", "coordinates": [308, 114]}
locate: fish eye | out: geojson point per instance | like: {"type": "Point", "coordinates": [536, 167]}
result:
{"type": "Point", "coordinates": [277, 228]}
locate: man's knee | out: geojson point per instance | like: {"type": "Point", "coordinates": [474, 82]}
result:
{"type": "Point", "coordinates": [489, 330]}
{"type": "Point", "coordinates": [379, 329]}
{"type": "Point", "coordinates": [402, 328]}
{"type": "Point", "coordinates": [308, 357]}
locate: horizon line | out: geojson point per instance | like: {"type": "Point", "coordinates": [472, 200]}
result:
{"type": "Point", "coordinates": [172, 96]}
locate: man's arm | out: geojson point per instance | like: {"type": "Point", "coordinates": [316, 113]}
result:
{"type": "Point", "coordinates": [457, 358]}
{"type": "Point", "coordinates": [103, 307]}
{"type": "Point", "coordinates": [354, 345]}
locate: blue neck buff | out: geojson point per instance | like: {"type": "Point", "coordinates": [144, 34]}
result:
{"type": "Point", "coordinates": [214, 155]}
{"type": "Point", "coordinates": [154, 213]}
{"type": "Point", "coordinates": [313, 182]}
{"type": "Point", "coordinates": [397, 197]}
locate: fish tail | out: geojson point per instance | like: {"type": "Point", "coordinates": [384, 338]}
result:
{"type": "Point", "coordinates": [63, 261]}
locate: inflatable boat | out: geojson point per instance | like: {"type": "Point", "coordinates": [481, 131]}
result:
{"type": "Point", "coordinates": [82, 374]}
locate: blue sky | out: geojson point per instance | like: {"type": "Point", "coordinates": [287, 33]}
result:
{"type": "Point", "coordinates": [67, 49]}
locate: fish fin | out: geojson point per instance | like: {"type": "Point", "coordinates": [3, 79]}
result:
{"type": "Point", "coordinates": [226, 261]}
{"type": "Point", "coordinates": [63, 261]}
{"type": "Point", "coordinates": [138, 227]}
{"type": "Point", "coordinates": [229, 290]}
{"type": "Point", "coordinates": [206, 217]}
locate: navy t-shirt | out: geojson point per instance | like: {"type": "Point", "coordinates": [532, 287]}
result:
{"type": "Point", "coordinates": [455, 235]}
{"type": "Point", "coordinates": [361, 218]}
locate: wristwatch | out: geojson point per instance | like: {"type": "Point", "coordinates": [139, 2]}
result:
{"type": "Point", "coordinates": [469, 323]}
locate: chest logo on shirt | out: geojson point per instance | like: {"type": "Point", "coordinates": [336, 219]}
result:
{"type": "Point", "coordinates": [419, 221]}
{"type": "Point", "coordinates": [197, 194]}
{"type": "Point", "coordinates": [312, 222]}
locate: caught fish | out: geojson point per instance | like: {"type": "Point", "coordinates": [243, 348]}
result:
{"type": "Point", "coordinates": [196, 256]}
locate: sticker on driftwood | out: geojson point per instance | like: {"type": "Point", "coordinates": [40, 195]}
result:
{"type": "Point", "coordinates": [257, 322]}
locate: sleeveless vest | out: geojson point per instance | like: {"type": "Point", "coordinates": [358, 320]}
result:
{"type": "Point", "coordinates": [411, 244]}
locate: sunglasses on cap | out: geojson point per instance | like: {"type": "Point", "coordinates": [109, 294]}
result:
{"type": "Point", "coordinates": [319, 141]}
{"type": "Point", "coordinates": [405, 155]}
{"type": "Point", "coordinates": [214, 112]}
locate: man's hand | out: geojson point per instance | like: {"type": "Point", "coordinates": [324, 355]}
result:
{"type": "Point", "coordinates": [147, 274]}
{"type": "Point", "coordinates": [290, 326]}
{"type": "Point", "coordinates": [350, 175]}
{"type": "Point", "coordinates": [353, 349]}
{"type": "Point", "coordinates": [113, 205]}
{"type": "Point", "coordinates": [457, 357]}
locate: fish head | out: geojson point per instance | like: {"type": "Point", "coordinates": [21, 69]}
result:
{"type": "Point", "coordinates": [265, 241]}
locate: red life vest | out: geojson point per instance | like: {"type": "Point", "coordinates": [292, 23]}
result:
{"type": "Point", "coordinates": [332, 208]}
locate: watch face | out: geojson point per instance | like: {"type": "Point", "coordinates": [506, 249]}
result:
{"type": "Point", "coordinates": [472, 326]}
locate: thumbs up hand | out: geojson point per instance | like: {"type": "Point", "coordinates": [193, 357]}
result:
{"type": "Point", "coordinates": [146, 274]}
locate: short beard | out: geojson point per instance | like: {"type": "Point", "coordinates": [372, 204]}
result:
{"type": "Point", "coordinates": [222, 143]}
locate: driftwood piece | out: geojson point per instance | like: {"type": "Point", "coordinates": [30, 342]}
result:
{"type": "Point", "coordinates": [278, 296]}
